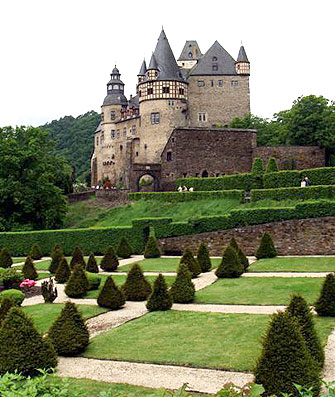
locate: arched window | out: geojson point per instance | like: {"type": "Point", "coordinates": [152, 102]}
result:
{"type": "Point", "coordinates": [190, 54]}
{"type": "Point", "coordinates": [204, 174]}
{"type": "Point", "coordinates": [214, 59]}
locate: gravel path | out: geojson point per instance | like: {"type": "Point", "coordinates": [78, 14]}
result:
{"type": "Point", "coordinates": [150, 375]}
{"type": "Point", "coordinates": [329, 367]}
{"type": "Point", "coordinates": [244, 309]}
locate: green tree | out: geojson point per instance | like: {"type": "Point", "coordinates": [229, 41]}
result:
{"type": "Point", "coordinates": [272, 165]}
{"type": "Point", "coordinates": [151, 249]}
{"type": "Point", "coordinates": [266, 248]}
{"type": "Point", "coordinates": [325, 305]}
{"type": "Point", "coordinates": [109, 262]}
{"type": "Point", "coordinates": [160, 298]}
{"type": "Point", "coordinates": [5, 258]}
{"type": "Point", "coordinates": [29, 270]}
{"type": "Point", "coordinates": [35, 252]}
{"type": "Point", "coordinates": [124, 250]}
{"type": "Point", "coordinates": [230, 266]}
{"type": "Point", "coordinates": [183, 290]}
{"type": "Point", "coordinates": [191, 262]}
{"type": "Point", "coordinates": [77, 285]}
{"type": "Point", "coordinates": [56, 258]}
{"type": "Point", "coordinates": [6, 305]}
{"type": "Point", "coordinates": [136, 287]}
{"type": "Point", "coordinates": [77, 258]}
{"type": "Point", "coordinates": [92, 265]}
{"type": "Point", "coordinates": [111, 296]}
{"type": "Point", "coordinates": [257, 166]}
{"type": "Point", "coordinates": [203, 258]}
{"type": "Point", "coordinates": [240, 254]}
{"type": "Point", "coordinates": [63, 272]}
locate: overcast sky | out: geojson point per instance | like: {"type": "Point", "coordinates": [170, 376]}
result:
{"type": "Point", "coordinates": [56, 56]}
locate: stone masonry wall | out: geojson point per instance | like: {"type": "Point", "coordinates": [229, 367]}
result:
{"type": "Point", "coordinates": [292, 157]}
{"type": "Point", "coordinates": [296, 237]}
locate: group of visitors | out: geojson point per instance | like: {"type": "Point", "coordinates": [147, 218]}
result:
{"type": "Point", "coordinates": [305, 182]}
{"type": "Point", "coordinates": [184, 189]}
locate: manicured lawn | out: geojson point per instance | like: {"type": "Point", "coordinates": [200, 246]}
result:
{"type": "Point", "coordinates": [43, 265]}
{"type": "Point", "coordinates": [162, 265]}
{"type": "Point", "coordinates": [18, 259]}
{"type": "Point", "coordinates": [43, 275]}
{"type": "Point", "coordinates": [260, 291]}
{"type": "Point", "coordinates": [44, 314]}
{"type": "Point", "coordinates": [226, 341]}
{"type": "Point", "coordinates": [307, 264]}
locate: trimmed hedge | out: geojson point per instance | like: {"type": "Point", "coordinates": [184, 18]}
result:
{"type": "Point", "coordinates": [174, 197]}
{"type": "Point", "coordinates": [294, 193]}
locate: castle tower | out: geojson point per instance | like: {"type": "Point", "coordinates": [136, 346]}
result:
{"type": "Point", "coordinates": [142, 72]}
{"type": "Point", "coordinates": [190, 55]}
{"type": "Point", "coordinates": [242, 63]}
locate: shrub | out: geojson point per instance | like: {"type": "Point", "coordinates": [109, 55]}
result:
{"type": "Point", "coordinates": [94, 281]}
{"type": "Point", "coordinates": [63, 272]}
{"type": "Point", "coordinates": [124, 250]}
{"type": "Point", "coordinates": [300, 310]}
{"type": "Point", "coordinates": [191, 262]}
{"type": "Point", "coordinates": [325, 305]}
{"type": "Point", "coordinates": [23, 349]}
{"type": "Point", "coordinates": [111, 296]}
{"type": "Point", "coordinates": [69, 333]}
{"type": "Point", "coordinates": [92, 266]}
{"type": "Point", "coordinates": [257, 166]}
{"type": "Point", "coordinates": [77, 258]}
{"type": "Point", "coordinates": [35, 252]}
{"type": "Point", "coordinates": [177, 197]}
{"type": "Point", "coordinates": [77, 285]}
{"type": "Point", "coordinates": [272, 165]}
{"type": "Point", "coordinates": [230, 266]}
{"type": "Point", "coordinates": [56, 258]}
{"type": "Point", "coordinates": [10, 278]}
{"type": "Point", "coordinates": [49, 292]}
{"type": "Point", "coordinates": [6, 305]}
{"type": "Point", "coordinates": [160, 298]}
{"type": "Point", "coordinates": [266, 248]}
{"type": "Point", "coordinates": [14, 294]}
{"type": "Point", "coordinates": [136, 287]}
{"type": "Point", "coordinates": [109, 262]}
{"type": "Point", "coordinates": [151, 249]}
{"type": "Point", "coordinates": [203, 258]}
{"type": "Point", "coordinates": [182, 290]}
{"type": "Point", "coordinates": [29, 270]}
{"type": "Point", "coordinates": [240, 254]}
{"type": "Point", "coordinates": [294, 193]}
{"type": "Point", "coordinates": [285, 359]}
{"type": "Point", "coordinates": [5, 258]}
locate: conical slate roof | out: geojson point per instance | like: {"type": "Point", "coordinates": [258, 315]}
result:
{"type": "Point", "coordinates": [215, 55]}
{"type": "Point", "coordinates": [242, 55]}
{"type": "Point", "coordinates": [153, 63]}
{"type": "Point", "coordinates": [190, 51]}
{"type": "Point", "coordinates": [143, 69]}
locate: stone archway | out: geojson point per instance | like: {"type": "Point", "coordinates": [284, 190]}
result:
{"type": "Point", "coordinates": [142, 170]}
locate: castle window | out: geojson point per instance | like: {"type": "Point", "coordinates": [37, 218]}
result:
{"type": "Point", "coordinates": [102, 138]}
{"type": "Point", "coordinates": [190, 54]}
{"type": "Point", "coordinates": [202, 116]}
{"type": "Point", "coordinates": [212, 83]}
{"type": "Point", "coordinates": [133, 129]}
{"type": "Point", "coordinates": [113, 115]}
{"type": "Point", "coordinates": [204, 174]}
{"type": "Point", "coordinates": [168, 156]}
{"type": "Point", "coordinates": [145, 146]}
{"type": "Point", "coordinates": [118, 134]}
{"type": "Point", "coordinates": [181, 91]}
{"type": "Point", "coordinates": [125, 131]}
{"type": "Point", "coordinates": [171, 103]}
{"type": "Point", "coordinates": [140, 93]}
{"type": "Point", "coordinates": [220, 83]}
{"type": "Point", "coordinates": [150, 91]}
{"type": "Point", "coordinates": [234, 83]}
{"type": "Point", "coordinates": [215, 67]}
{"type": "Point", "coordinates": [112, 134]}
{"type": "Point", "coordinates": [116, 87]}
{"type": "Point", "coordinates": [201, 83]}
{"type": "Point", "coordinates": [113, 156]}
{"type": "Point", "coordinates": [184, 174]}
{"type": "Point", "coordinates": [121, 148]}
{"type": "Point", "coordinates": [136, 154]}
{"type": "Point", "coordinates": [166, 90]}
{"type": "Point", "coordinates": [97, 141]}
{"type": "Point", "coordinates": [214, 59]}
{"type": "Point", "coordinates": [102, 116]}
{"type": "Point", "coordinates": [154, 118]}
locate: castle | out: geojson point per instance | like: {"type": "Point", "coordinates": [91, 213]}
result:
{"type": "Point", "coordinates": [177, 124]}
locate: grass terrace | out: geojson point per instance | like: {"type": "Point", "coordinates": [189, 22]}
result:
{"type": "Point", "coordinates": [294, 264]}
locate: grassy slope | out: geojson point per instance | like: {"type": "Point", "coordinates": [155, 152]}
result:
{"type": "Point", "coordinates": [307, 264]}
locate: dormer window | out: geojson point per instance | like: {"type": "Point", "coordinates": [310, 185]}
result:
{"type": "Point", "coordinates": [215, 67]}
{"type": "Point", "coordinates": [116, 87]}
{"type": "Point", "coordinates": [109, 87]}
{"type": "Point", "coordinates": [214, 59]}
{"type": "Point", "coordinates": [190, 54]}
{"type": "Point", "coordinates": [113, 115]}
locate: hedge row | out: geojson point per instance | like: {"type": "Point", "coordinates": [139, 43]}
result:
{"type": "Point", "coordinates": [294, 193]}
{"type": "Point", "coordinates": [174, 197]}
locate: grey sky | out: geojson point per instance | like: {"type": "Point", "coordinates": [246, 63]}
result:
{"type": "Point", "coordinates": [56, 56]}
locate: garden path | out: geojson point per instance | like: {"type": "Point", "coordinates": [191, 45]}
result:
{"type": "Point", "coordinates": [329, 367]}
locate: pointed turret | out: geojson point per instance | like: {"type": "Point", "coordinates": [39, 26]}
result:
{"type": "Point", "coordinates": [190, 55]}
{"type": "Point", "coordinates": [115, 90]}
{"type": "Point", "coordinates": [142, 72]}
{"type": "Point", "coordinates": [152, 71]}
{"type": "Point", "coordinates": [242, 64]}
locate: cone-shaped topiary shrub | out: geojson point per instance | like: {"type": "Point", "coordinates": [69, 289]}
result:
{"type": "Point", "coordinates": [272, 165]}
{"type": "Point", "coordinates": [160, 298]}
{"type": "Point", "coordinates": [56, 258]}
{"type": "Point", "coordinates": [35, 252]}
{"type": "Point", "coordinates": [111, 296]}
{"type": "Point", "coordinates": [240, 254]}
{"type": "Point", "coordinates": [203, 258]}
{"type": "Point", "coordinates": [136, 287]}
{"type": "Point", "coordinates": [77, 258]}
{"type": "Point", "coordinates": [257, 166]}
{"type": "Point", "coordinates": [300, 310]}
{"type": "Point", "coordinates": [29, 270]}
{"type": "Point", "coordinates": [230, 266]}
{"type": "Point", "coordinates": [182, 290]}
{"type": "Point", "coordinates": [325, 305]}
{"type": "Point", "coordinates": [151, 249]}
{"type": "Point", "coordinates": [285, 359]}
{"type": "Point", "coordinates": [109, 262]}
{"type": "Point", "coordinates": [69, 333]}
{"type": "Point", "coordinates": [5, 258]}
{"type": "Point", "coordinates": [63, 272]}
{"type": "Point", "coordinates": [124, 250]}
{"type": "Point", "coordinates": [92, 266]}
{"type": "Point", "coordinates": [6, 305]}
{"type": "Point", "coordinates": [266, 248]}
{"type": "Point", "coordinates": [191, 262]}
{"type": "Point", "coordinates": [77, 284]}
{"type": "Point", "coordinates": [22, 347]}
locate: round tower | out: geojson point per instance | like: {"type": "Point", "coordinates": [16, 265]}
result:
{"type": "Point", "coordinates": [242, 64]}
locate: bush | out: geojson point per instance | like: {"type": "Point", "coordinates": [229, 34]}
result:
{"type": "Point", "coordinates": [109, 262]}
{"type": "Point", "coordinates": [14, 294]}
{"type": "Point", "coordinates": [6, 305]}
{"type": "Point", "coordinates": [69, 334]}
{"type": "Point", "coordinates": [77, 258]}
{"type": "Point", "coordinates": [124, 250]}
{"type": "Point", "coordinates": [257, 166]}
{"type": "Point", "coordinates": [325, 305]}
{"type": "Point", "coordinates": [240, 254]}
{"type": "Point", "coordinates": [77, 284]}
{"type": "Point", "coordinates": [35, 252]}
{"type": "Point", "coordinates": [230, 266]}
{"type": "Point", "coordinates": [92, 266]}
{"type": "Point", "coordinates": [29, 270]}
{"type": "Point", "coordinates": [5, 258]}
{"type": "Point", "coordinates": [191, 262]}
{"type": "Point", "coordinates": [63, 272]}
{"type": "Point", "coordinates": [94, 281]}
{"type": "Point", "coordinates": [285, 359]}
{"type": "Point", "coordinates": [111, 296]}
{"type": "Point", "coordinates": [56, 258]}
{"type": "Point", "coordinates": [182, 290]}
{"type": "Point", "coordinates": [136, 287]}
{"type": "Point", "coordinates": [160, 298]}
{"type": "Point", "coordinates": [294, 193]}
{"type": "Point", "coordinates": [266, 248]}
{"type": "Point", "coordinates": [23, 349]}
{"type": "Point", "coordinates": [177, 197]}
{"type": "Point", "coordinates": [151, 249]}
{"type": "Point", "coordinates": [11, 278]}
{"type": "Point", "coordinates": [272, 165]}
{"type": "Point", "coordinates": [203, 258]}
{"type": "Point", "coordinates": [49, 292]}
{"type": "Point", "coordinates": [300, 310]}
